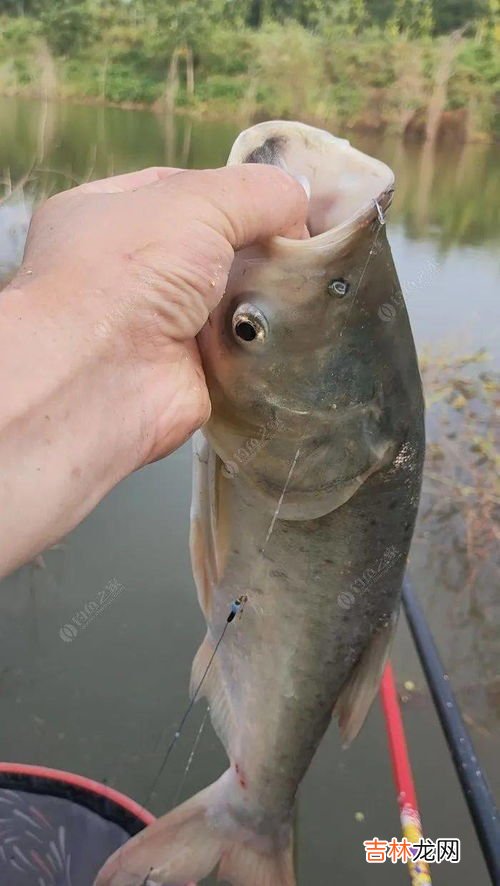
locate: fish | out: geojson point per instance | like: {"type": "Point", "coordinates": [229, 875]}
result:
{"type": "Point", "coordinates": [306, 482]}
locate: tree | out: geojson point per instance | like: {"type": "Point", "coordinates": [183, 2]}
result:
{"type": "Point", "coordinates": [67, 25]}
{"type": "Point", "coordinates": [488, 28]}
{"type": "Point", "coordinates": [381, 11]}
{"type": "Point", "coordinates": [346, 15]}
{"type": "Point", "coordinates": [452, 14]}
{"type": "Point", "coordinates": [179, 31]}
{"type": "Point", "coordinates": [412, 17]}
{"type": "Point", "coordinates": [20, 7]}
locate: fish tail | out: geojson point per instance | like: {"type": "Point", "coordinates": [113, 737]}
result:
{"type": "Point", "coordinates": [186, 845]}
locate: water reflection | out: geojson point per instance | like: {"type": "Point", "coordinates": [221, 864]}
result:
{"type": "Point", "coordinates": [449, 195]}
{"type": "Point", "coordinates": [15, 215]}
{"type": "Point", "coordinates": [178, 150]}
{"type": "Point", "coordinates": [90, 142]}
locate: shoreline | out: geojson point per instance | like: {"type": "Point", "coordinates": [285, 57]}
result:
{"type": "Point", "coordinates": [221, 113]}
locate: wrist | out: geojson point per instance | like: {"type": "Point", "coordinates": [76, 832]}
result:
{"type": "Point", "coordinates": [71, 419]}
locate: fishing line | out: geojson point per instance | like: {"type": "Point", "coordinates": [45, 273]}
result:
{"type": "Point", "coordinates": [381, 221]}
{"type": "Point", "coordinates": [191, 756]}
{"type": "Point", "coordinates": [177, 733]}
{"type": "Point", "coordinates": [280, 501]}
{"type": "Point", "coordinates": [236, 608]}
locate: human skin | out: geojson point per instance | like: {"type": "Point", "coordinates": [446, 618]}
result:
{"type": "Point", "coordinates": [100, 372]}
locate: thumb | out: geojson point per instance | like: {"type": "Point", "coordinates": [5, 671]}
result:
{"type": "Point", "coordinates": [256, 202]}
{"type": "Point", "coordinates": [128, 181]}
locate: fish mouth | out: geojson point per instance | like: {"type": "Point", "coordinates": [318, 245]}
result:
{"type": "Point", "coordinates": [348, 189]}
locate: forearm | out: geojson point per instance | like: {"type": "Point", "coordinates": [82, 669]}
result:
{"type": "Point", "coordinates": [69, 427]}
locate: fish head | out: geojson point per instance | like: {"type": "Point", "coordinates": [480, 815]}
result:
{"type": "Point", "coordinates": [294, 352]}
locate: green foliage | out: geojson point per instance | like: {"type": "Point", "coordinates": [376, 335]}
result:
{"type": "Point", "coordinates": [23, 71]}
{"type": "Point", "coordinates": [121, 86]}
{"type": "Point", "coordinates": [339, 16]}
{"type": "Point", "coordinates": [445, 14]}
{"type": "Point", "coordinates": [18, 33]}
{"type": "Point", "coordinates": [474, 85]}
{"type": "Point", "coordinates": [289, 70]}
{"type": "Point", "coordinates": [228, 51]}
{"type": "Point", "coordinates": [82, 77]}
{"type": "Point", "coordinates": [367, 63]}
{"type": "Point", "coordinates": [114, 82]}
{"type": "Point", "coordinates": [412, 17]}
{"type": "Point", "coordinates": [66, 25]}
{"type": "Point", "coordinates": [452, 14]}
{"type": "Point", "coordinates": [221, 87]}
{"type": "Point", "coordinates": [185, 23]}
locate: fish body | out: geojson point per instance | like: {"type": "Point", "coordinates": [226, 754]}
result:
{"type": "Point", "coordinates": [306, 482]}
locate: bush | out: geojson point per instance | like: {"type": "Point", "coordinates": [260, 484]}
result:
{"type": "Point", "coordinates": [123, 85]}
{"type": "Point", "coordinates": [67, 26]}
{"type": "Point", "coordinates": [18, 33]}
{"type": "Point", "coordinates": [219, 87]}
{"type": "Point", "coordinates": [82, 77]}
{"type": "Point", "coordinates": [289, 67]}
{"type": "Point", "coordinates": [24, 71]}
{"type": "Point", "coordinates": [474, 84]}
{"type": "Point", "coordinates": [229, 51]}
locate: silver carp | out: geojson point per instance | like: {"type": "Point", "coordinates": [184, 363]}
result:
{"type": "Point", "coordinates": [306, 487]}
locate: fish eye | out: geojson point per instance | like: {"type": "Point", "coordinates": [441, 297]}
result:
{"type": "Point", "coordinates": [245, 330]}
{"type": "Point", "coordinates": [249, 323]}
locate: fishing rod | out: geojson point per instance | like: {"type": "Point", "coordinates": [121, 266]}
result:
{"type": "Point", "coordinates": [409, 814]}
{"type": "Point", "coordinates": [475, 787]}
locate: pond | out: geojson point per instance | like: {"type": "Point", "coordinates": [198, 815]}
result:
{"type": "Point", "coordinates": [103, 701]}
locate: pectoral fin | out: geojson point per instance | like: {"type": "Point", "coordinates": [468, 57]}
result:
{"type": "Point", "coordinates": [208, 537]}
{"type": "Point", "coordinates": [358, 692]}
{"type": "Point", "coordinates": [206, 679]}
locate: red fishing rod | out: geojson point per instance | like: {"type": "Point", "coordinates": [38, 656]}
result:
{"type": "Point", "coordinates": [411, 825]}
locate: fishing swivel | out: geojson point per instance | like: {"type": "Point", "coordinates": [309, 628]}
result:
{"type": "Point", "coordinates": [237, 607]}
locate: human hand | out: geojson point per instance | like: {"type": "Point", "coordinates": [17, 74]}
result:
{"type": "Point", "coordinates": [139, 260]}
{"type": "Point", "coordinates": [100, 371]}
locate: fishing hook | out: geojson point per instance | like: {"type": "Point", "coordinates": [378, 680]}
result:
{"type": "Point", "coordinates": [380, 213]}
